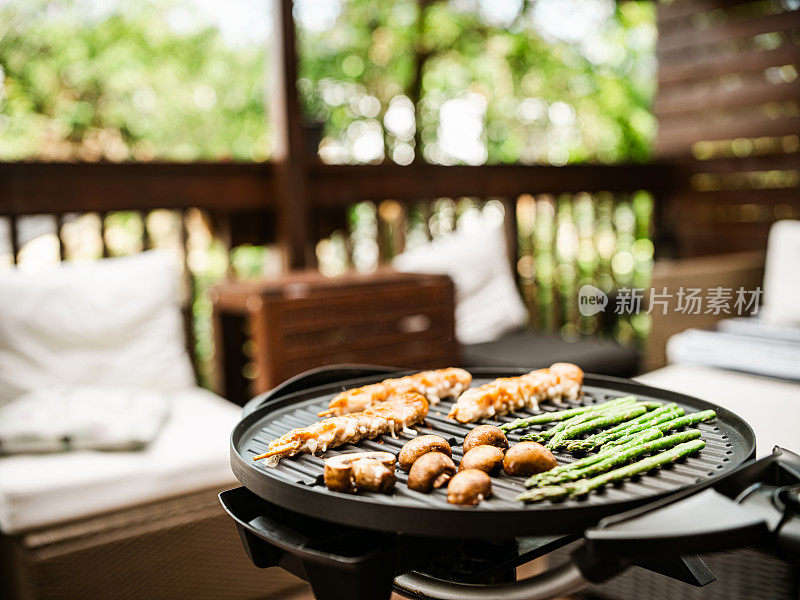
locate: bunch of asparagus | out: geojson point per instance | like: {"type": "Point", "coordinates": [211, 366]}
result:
{"type": "Point", "coordinates": [563, 415]}
{"type": "Point", "coordinates": [584, 486]}
{"type": "Point", "coordinates": [624, 429]}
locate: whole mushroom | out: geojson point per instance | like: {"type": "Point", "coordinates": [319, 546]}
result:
{"type": "Point", "coordinates": [339, 470]}
{"type": "Point", "coordinates": [430, 471]}
{"type": "Point", "coordinates": [419, 446]}
{"type": "Point", "coordinates": [484, 458]}
{"type": "Point", "coordinates": [485, 435]}
{"type": "Point", "coordinates": [528, 458]}
{"type": "Point", "coordinates": [469, 487]}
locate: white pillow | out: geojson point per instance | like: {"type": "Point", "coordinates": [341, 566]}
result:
{"type": "Point", "coordinates": [487, 300]}
{"type": "Point", "coordinates": [81, 418]}
{"type": "Point", "coordinates": [782, 275]}
{"type": "Point", "coordinates": [114, 321]}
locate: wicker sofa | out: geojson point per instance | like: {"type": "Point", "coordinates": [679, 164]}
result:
{"type": "Point", "coordinates": [179, 547]}
{"type": "Point", "coordinates": [130, 523]}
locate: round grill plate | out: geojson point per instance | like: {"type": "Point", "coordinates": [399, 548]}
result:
{"type": "Point", "coordinates": [296, 483]}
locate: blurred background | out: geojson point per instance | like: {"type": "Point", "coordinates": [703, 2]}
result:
{"type": "Point", "coordinates": [447, 83]}
{"type": "Point", "coordinates": [210, 98]}
{"type": "Point", "coordinates": [284, 155]}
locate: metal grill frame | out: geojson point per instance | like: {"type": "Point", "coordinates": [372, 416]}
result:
{"type": "Point", "coordinates": [296, 484]}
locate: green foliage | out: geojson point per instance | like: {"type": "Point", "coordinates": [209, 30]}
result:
{"type": "Point", "coordinates": [351, 72]}
{"type": "Point", "coordinates": [544, 100]}
{"type": "Point", "coordinates": [125, 85]}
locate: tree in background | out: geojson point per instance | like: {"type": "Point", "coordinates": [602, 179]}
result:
{"type": "Point", "coordinates": [135, 81]}
{"type": "Point", "coordinates": [464, 81]}
{"type": "Point", "coordinates": [546, 81]}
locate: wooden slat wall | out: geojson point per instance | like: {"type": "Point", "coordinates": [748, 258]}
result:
{"type": "Point", "coordinates": [728, 106]}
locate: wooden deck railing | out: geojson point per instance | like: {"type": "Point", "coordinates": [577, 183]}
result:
{"type": "Point", "coordinates": [230, 189]}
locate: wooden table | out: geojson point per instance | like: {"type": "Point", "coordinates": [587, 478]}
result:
{"type": "Point", "coordinates": [770, 406]}
{"type": "Point", "coordinates": [305, 320]}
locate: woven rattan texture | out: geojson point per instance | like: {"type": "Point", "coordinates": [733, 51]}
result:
{"type": "Point", "coordinates": [180, 548]}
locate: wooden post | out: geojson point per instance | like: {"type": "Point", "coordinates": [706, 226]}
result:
{"type": "Point", "coordinates": [14, 234]}
{"type": "Point", "coordinates": [511, 233]}
{"type": "Point", "coordinates": [290, 155]}
{"type": "Point", "coordinates": [421, 56]}
{"type": "Point", "coordinates": [62, 249]}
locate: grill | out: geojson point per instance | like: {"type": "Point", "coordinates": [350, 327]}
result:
{"type": "Point", "coordinates": [353, 546]}
{"type": "Point", "coordinates": [296, 483]}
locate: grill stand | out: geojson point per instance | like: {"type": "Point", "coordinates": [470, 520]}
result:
{"type": "Point", "coordinates": [758, 504]}
{"type": "Point", "coordinates": [345, 563]}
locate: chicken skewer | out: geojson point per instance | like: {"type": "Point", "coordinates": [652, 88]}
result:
{"type": "Point", "coordinates": [434, 385]}
{"type": "Point", "coordinates": [561, 380]}
{"type": "Point", "coordinates": [387, 417]}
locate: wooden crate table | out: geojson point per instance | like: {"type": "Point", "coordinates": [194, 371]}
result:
{"type": "Point", "coordinates": [304, 320]}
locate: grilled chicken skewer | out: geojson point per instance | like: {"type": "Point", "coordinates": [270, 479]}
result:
{"type": "Point", "coordinates": [434, 385]}
{"type": "Point", "coordinates": [561, 380]}
{"type": "Point", "coordinates": [387, 417]}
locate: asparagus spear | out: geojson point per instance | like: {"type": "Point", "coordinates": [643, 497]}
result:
{"type": "Point", "coordinates": [543, 436]}
{"type": "Point", "coordinates": [584, 486]}
{"type": "Point", "coordinates": [631, 434]}
{"type": "Point", "coordinates": [667, 422]}
{"type": "Point", "coordinates": [563, 439]}
{"type": "Point", "coordinates": [641, 437]}
{"type": "Point", "coordinates": [563, 415]}
{"type": "Point", "coordinates": [685, 421]}
{"type": "Point", "coordinates": [556, 431]}
{"type": "Point", "coordinates": [614, 459]}
{"type": "Point", "coordinates": [646, 418]}
{"type": "Point", "coordinates": [657, 460]}
{"type": "Point", "coordinates": [648, 435]}
{"type": "Point", "coordinates": [601, 438]}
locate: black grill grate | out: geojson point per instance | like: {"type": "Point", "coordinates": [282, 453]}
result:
{"type": "Point", "coordinates": [728, 443]}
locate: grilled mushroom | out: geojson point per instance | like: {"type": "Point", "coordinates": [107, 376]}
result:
{"type": "Point", "coordinates": [373, 475]}
{"type": "Point", "coordinates": [430, 471]}
{"type": "Point", "coordinates": [485, 435]}
{"type": "Point", "coordinates": [469, 487]}
{"type": "Point", "coordinates": [423, 444]}
{"type": "Point", "coordinates": [484, 458]}
{"type": "Point", "coordinates": [339, 470]}
{"type": "Point", "coordinates": [528, 458]}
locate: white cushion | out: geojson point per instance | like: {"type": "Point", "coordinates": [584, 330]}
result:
{"type": "Point", "coordinates": [82, 417]}
{"type": "Point", "coordinates": [190, 453]}
{"type": "Point", "coordinates": [114, 321]}
{"type": "Point", "coordinates": [781, 275]}
{"type": "Point", "coordinates": [487, 300]}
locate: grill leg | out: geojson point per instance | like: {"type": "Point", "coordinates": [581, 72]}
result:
{"type": "Point", "coordinates": [371, 583]}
